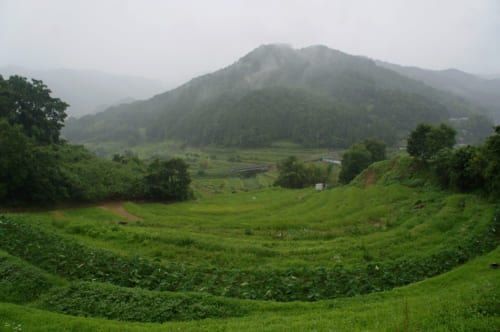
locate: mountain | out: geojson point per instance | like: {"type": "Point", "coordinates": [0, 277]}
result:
{"type": "Point", "coordinates": [314, 96]}
{"type": "Point", "coordinates": [88, 91]}
{"type": "Point", "coordinates": [480, 90]}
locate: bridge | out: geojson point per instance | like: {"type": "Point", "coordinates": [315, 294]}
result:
{"type": "Point", "coordinates": [251, 169]}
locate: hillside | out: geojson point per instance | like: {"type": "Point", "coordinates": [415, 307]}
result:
{"type": "Point", "coordinates": [374, 255]}
{"type": "Point", "coordinates": [314, 96]}
{"type": "Point", "coordinates": [482, 91]}
{"type": "Point", "coordinates": [88, 91]}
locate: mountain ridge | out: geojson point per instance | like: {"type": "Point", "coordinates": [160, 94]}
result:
{"type": "Point", "coordinates": [480, 90]}
{"type": "Point", "coordinates": [333, 79]}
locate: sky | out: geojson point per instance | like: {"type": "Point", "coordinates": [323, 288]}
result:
{"type": "Point", "coordinates": [174, 41]}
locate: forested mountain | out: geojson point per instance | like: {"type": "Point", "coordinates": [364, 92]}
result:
{"type": "Point", "coordinates": [315, 96]}
{"type": "Point", "coordinates": [89, 91]}
{"type": "Point", "coordinates": [483, 91]}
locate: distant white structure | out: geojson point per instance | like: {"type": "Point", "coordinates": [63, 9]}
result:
{"type": "Point", "coordinates": [332, 161]}
{"type": "Point", "coordinates": [319, 186]}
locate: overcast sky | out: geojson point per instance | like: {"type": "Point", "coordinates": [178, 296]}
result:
{"type": "Point", "coordinates": [176, 40]}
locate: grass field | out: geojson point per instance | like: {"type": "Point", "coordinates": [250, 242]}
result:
{"type": "Point", "coordinates": [372, 256]}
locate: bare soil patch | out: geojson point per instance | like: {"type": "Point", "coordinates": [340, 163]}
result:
{"type": "Point", "coordinates": [58, 214]}
{"type": "Point", "coordinates": [117, 207]}
{"type": "Point", "coordinates": [370, 177]}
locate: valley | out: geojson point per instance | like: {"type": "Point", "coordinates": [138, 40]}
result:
{"type": "Point", "coordinates": [294, 190]}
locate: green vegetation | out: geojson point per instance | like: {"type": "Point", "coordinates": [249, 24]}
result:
{"type": "Point", "coordinates": [293, 173]}
{"type": "Point", "coordinates": [37, 168]}
{"type": "Point", "coordinates": [426, 140]}
{"type": "Point", "coordinates": [225, 259]}
{"type": "Point", "coordinates": [465, 299]}
{"type": "Point", "coordinates": [29, 105]}
{"type": "Point", "coordinates": [179, 259]}
{"type": "Point", "coordinates": [359, 156]}
{"type": "Point", "coordinates": [464, 169]}
{"type": "Point", "coordinates": [389, 251]}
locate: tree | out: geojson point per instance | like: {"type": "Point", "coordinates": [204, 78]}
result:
{"type": "Point", "coordinates": [356, 159]}
{"type": "Point", "coordinates": [30, 105]}
{"type": "Point", "coordinates": [168, 180]}
{"type": "Point", "coordinates": [15, 152]}
{"type": "Point", "coordinates": [426, 140]}
{"type": "Point", "coordinates": [459, 169]}
{"type": "Point", "coordinates": [29, 173]}
{"type": "Point", "coordinates": [293, 173]}
{"type": "Point", "coordinates": [491, 157]}
{"type": "Point", "coordinates": [376, 148]}
{"type": "Point", "coordinates": [359, 156]}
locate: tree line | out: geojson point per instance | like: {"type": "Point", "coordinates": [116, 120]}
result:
{"type": "Point", "coordinates": [470, 168]}
{"type": "Point", "coordinates": [464, 168]}
{"type": "Point", "coordinates": [38, 167]}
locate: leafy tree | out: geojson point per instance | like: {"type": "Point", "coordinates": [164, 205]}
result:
{"type": "Point", "coordinates": [37, 168]}
{"type": "Point", "coordinates": [293, 173]}
{"type": "Point", "coordinates": [168, 180]}
{"type": "Point", "coordinates": [359, 156]}
{"type": "Point", "coordinates": [465, 172]}
{"type": "Point", "coordinates": [491, 158]}
{"type": "Point", "coordinates": [15, 152]}
{"type": "Point", "coordinates": [376, 148]}
{"type": "Point", "coordinates": [28, 173]}
{"type": "Point", "coordinates": [356, 159]}
{"type": "Point", "coordinates": [426, 140]}
{"type": "Point", "coordinates": [459, 169]}
{"type": "Point", "coordinates": [30, 105]}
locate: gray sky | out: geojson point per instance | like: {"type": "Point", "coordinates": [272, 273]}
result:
{"type": "Point", "coordinates": [176, 40]}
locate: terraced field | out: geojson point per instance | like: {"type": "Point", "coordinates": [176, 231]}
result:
{"type": "Point", "coordinates": [372, 256]}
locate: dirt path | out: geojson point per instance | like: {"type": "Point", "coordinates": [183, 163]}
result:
{"type": "Point", "coordinates": [117, 207]}
{"type": "Point", "coordinates": [370, 177]}
{"type": "Point", "coordinates": [58, 214]}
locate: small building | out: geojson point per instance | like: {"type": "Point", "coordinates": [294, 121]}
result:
{"type": "Point", "coordinates": [319, 186]}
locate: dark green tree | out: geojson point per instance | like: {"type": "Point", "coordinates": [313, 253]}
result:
{"type": "Point", "coordinates": [15, 152]}
{"type": "Point", "coordinates": [491, 161]}
{"type": "Point", "coordinates": [376, 148]}
{"type": "Point", "coordinates": [29, 173]}
{"type": "Point", "coordinates": [459, 169]}
{"type": "Point", "coordinates": [356, 159]}
{"type": "Point", "coordinates": [359, 156]}
{"type": "Point", "coordinates": [168, 180]}
{"type": "Point", "coordinates": [292, 173]}
{"type": "Point", "coordinates": [30, 105]}
{"type": "Point", "coordinates": [426, 140]}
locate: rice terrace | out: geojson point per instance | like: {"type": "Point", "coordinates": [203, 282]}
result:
{"type": "Point", "coordinates": [381, 256]}
{"type": "Point", "coordinates": [295, 188]}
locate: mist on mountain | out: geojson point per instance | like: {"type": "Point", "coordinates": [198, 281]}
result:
{"type": "Point", "coordinates": [315, 96]}
{"type": "Point", "coordinates": [90, 91]}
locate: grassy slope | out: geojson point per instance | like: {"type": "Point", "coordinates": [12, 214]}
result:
{"type": "Point", "coordinates": [276, 228]}
{"type": "Point", "coordinates": [460, 300]}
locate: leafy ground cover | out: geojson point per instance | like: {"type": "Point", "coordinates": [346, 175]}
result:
{"type": "Point", "coordinates": [465, 299]}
